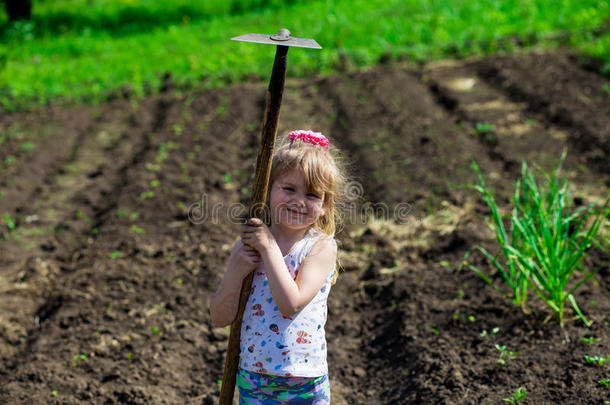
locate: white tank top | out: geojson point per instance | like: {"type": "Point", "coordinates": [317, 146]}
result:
{"type": "Point", "coordinates": [273, 344]}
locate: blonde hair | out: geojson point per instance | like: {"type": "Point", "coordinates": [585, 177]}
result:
{"type": "Point", "coordinates": [323, 170]}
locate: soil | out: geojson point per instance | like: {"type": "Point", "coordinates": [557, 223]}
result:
{"type": "Point", "coordinates": [118, 220]}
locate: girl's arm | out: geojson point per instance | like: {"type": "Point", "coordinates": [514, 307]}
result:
{"type": "Point", "coordinates": [293, 295]}
{"type": "Point", "coordinates": [290, 295]}
{"type": "Point", "coordinates": [223, 307]}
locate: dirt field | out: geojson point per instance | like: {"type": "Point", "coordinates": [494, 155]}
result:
{"type": "Point", "coordinates": [124, 215]}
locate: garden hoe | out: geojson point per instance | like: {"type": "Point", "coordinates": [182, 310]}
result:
{"type": "Point", "coordinates": [283, 41]}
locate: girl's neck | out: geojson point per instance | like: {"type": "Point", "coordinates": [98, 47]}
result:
{"type": "Point", "coordinates": [286, 238]}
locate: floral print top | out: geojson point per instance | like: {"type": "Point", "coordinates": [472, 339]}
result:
{"type": "Point", "coordinates": [285, 346]}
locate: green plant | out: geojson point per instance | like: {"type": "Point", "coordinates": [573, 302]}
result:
{"type": "Point", "coordinates": [516, 396]}
{"type": "Point", "coordinates": [136, 229]}
{"type": "Point", "coordinates": [10, 223]}
{"type": "Point", "coordinates": [505, 354]}
{"type": "Point", "coordinates": [589, 340]}
{"type": "Point", "coordinates": [78, 358]}
{"type": "Point", "coordinates": [115, 254]}
{"type": "Point", "coordinates": [484, 128]}
{"type": "Point", "coordinates": [605, 382]}
{"type": "Point", "coordinates": [145, 195]}
{"type": "Point", "coordinates": [596, 359]}
{"type": "Point", "coordinates": [77, 50]}
{"type": "Point", "coordinates": [548, 240]}
{"type": "Point", "coordinates": [484, 333]}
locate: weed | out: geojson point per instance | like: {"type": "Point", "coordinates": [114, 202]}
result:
{"type": "Point", "coordinates": [484, 333]}
{"type": "Point", "coordinates": [155, 183]}
{"type": "Point", "coordinates": [434, 330]}
{"type": "Point", "coordinates": [516, 396]}
{"type": "Point", "coordinates": [155, 330]}
{"type": "Point", "coordinates": [116, 254]}
{"type": "Point", "coordinates": [605, 382]}
{"type": "Point", "coordinates": [129, 356]}
{"type": "Point", "coordinates": [54, 393]}
{"type": "Point", "coordinates": [227, 178]}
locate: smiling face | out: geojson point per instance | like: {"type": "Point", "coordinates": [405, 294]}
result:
{"type": "Point", "coordinates": [292, 204]}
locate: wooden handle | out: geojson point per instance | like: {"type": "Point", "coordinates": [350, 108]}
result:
{"type": "Point", "coordinates": [257, 203]}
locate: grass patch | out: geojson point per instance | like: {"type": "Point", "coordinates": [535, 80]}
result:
{"type": "Point", "coordinates": [90, 50]}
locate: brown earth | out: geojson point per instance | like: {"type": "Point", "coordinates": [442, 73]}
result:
{"type": "Point", "coordinates": [122, 216]}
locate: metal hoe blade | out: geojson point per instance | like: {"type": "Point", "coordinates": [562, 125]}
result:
{"type": "Point", "coordinates": [281, 38]}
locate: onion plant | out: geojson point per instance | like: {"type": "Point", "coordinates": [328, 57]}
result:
{"type": "Point", "coordinates": [548, 240]}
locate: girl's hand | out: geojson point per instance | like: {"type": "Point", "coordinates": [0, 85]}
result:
{"type": "Point", "coordinates": [243, 259]}
{"type": "Point", "coordinates": [257, 235]}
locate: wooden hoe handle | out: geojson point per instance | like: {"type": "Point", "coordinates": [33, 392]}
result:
{"type": "Point", "coordinates": [257, 202]}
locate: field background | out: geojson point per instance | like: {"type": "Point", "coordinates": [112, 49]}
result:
{"type": "Point", "coordinates": [123, 123]}
{"type": "Point", "coordinates": [88, 50]}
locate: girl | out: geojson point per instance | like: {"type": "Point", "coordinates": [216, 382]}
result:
{"type": "Point", "coordinates": [293, 255]}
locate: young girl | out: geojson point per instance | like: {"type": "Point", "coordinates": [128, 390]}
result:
{"type": "Point", "coordinates": [283, 347]}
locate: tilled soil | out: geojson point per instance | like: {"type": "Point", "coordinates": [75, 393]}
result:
{"type": "Point", "coordinates": [118, 220]}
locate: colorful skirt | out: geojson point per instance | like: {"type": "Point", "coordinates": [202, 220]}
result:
{"type": "Point", "coordinates": [262, 389]}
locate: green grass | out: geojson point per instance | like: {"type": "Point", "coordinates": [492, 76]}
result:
{"type": "Point", "coordinates": [88, 50]}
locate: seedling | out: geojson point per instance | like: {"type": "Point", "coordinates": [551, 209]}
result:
{"type": "Point", "coordinates": [147, 195]}
{"type": "Point", "coordinates": [596, 359]}
{"type": "Point", "coordinates": [516, 396]}
{"type": "Point", "coordinates": [155, 330]}
{"type": "Point", "coordinates": [227, 178]}
{"type": "Point", "coordinates": [9, 160]}
{"type": "Point", "coordinates": [178, 129]}
{"type": "Point", "coordinates": [493, 332]}
{"type": "Point", "coordinates": [78, 358]}
{"type": "Point", "coordinates": [27, 146]}
{"type": "Point", "coordinates": [486, 129]}
{"type": "Point", "coordinates": [136, 229]}
{"type": "Point", "coordinates": [504, 353]}
{"type": "Point", "coordinates": [10, 223]}
{"type": "Point", "coordinates": [605, 382]}
{"type": "Point", "coordinates": [54, 393]}
{"type": "Point", "coordinates": [589, 340]}
{"type": "Point", "coordinates": [114, 255]}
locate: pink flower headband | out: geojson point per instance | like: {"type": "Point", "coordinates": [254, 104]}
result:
{"type": "Point", "coordinates": [315, 138]}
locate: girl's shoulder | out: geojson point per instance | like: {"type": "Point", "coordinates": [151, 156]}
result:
{"type": "Point", "coordinates": [322, 241]}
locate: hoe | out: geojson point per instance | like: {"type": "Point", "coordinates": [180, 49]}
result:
{"type": "Point", "coordinates": [283, 41]}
